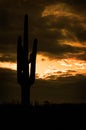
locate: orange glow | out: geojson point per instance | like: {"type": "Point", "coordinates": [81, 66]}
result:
{"type": "Point", "coordinates": [54, 67]}
{"type": "Point", "coordinates": [48, 67]}
{"type": "Point", "coordinates": [76, 44]}
{"type": "Point", "coordinates": [61, 9]}
{"type": "Point", "coordinates": [57, 10]}
{"type": "Point", "coordinates": [8, 65]}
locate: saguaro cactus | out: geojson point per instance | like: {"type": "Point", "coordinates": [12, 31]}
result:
{"type": "Point", "coordinates": [24, 77]}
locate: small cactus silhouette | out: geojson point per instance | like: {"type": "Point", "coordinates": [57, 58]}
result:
{"type": "Point", "coordinates": [24, 77]}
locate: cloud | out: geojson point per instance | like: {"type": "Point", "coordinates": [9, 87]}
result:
{"type": "Point", "coordinates": [63, 90]}
{"type": "Point", "coordinates": [60, 27]}
{"type": "Point", "coordinates": [54, 23]}
{"type": "Point", "coordinates": [9, 89]}
{"type": "Point", "coordinates": [78, 5]}
{"type": "Point", "coordinates": [70, 26]}
{"type": "Point", "coordinates": [8, 57]}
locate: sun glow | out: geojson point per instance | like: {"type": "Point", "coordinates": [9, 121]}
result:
{"type": "Point", "coordinates": [59, 67]}
{"type": "Point", "coordinates": [52, 68]}
{"type": "Point", "coordinates": [8, 65]}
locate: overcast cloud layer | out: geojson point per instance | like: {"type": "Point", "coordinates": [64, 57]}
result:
{"type": "Point", "coordinates": [63, 90]}
{"type": "Point", "coordinates": [59, 25]}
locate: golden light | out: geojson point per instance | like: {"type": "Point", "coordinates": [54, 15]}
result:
{"type": "Point", "coordinates": [74, 44]}
{"type": "Point", "coordinates": [54, 67]}
{"type": "Point", "coordinates": [56, 10]}
{"type": "Point", "coordinates": [8, 65]}
{"type": "Point", "coordinates": [61, 9]}
{"type": "Point", "coordinates": [49, 68]}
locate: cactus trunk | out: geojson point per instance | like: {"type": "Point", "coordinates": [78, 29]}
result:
{"type": "Point", "coordinates": [25, 95]}
{"type": "Point", "coordinates": [24, 77]}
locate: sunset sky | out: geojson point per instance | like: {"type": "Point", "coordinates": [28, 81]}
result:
{"type": "Point", "coordinates": [60, 27]}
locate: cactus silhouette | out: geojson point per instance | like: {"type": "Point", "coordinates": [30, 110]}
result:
{"type": "Point", "coordinates": [26, 76]}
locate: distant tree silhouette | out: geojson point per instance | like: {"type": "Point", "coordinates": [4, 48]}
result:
{"type": "Point", "coordinates": [24, 77]}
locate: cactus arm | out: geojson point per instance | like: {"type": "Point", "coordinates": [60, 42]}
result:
{"type": "Point", "coordinates": [33, 62]}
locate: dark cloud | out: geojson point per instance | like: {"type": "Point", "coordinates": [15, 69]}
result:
{"type": "Point", "coordinates": [81, 34]}
{"type": "Point", "coordinates": [47, 29]}
{"type": "Point", "coordinates": [4, 23]}
{"type": "Point", "coordinates": [9, 89]}
{"type": "Point", "coordinates": [82, 56]}
{"type": "Point", "coordinates": [58, 49]}
{"type": "Point", "coordinates": [78, 5]}
{"type": "Point", "coordinates": [9, 57]}
{"type": "Point", "coordinates": [75, 29]}
{"type": "Point", "coordinates": [63, 90]}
